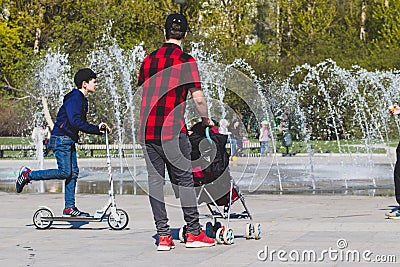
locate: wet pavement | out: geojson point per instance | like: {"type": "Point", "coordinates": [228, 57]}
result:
{"type": "Point", "coordinates": [323, 173]}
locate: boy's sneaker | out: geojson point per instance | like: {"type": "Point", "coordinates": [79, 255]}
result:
{"type": "Point", "coordinates": [73, 211]}
{"type": "Point", "coordinates": [395, 212]}
{"type": "Point", "coordinates": [23, 179]}
{"type": "Point", "coordinates": [165, 243]}
{"type": "Point", "coordinates": [199, 241]}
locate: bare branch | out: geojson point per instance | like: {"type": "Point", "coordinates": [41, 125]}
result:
{"type": "Point", "coordinates": [17, 98]}
{"type": "Point", "coordinates": [8, 86]}
{"type": "Point", "coordinates": [46, 111]}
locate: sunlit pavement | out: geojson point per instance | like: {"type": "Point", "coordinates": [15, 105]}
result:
{"type": "Point", "coordinates": [296, 229]}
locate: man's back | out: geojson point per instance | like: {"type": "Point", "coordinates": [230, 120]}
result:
{"type": "Point", "coordinates": [166, 75]}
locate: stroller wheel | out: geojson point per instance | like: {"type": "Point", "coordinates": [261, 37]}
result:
{"type": "Point", "coordinates": [182, 234]}
{"type": "Point", "coordinates": [248, 230]}
{"type": "Point", "coordinates": [209, 229]}
{"type": "Point", "coordinates": [228, 236]}
{"type": "Point", "coordinates": [257, 231]}
{"type": "Point", "coordinates": [217, 225]}
{"type": "Point", "coordinates": [219, 235]}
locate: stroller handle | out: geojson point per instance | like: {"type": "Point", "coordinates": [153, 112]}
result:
{"type": "Point", "coordinates": [208, 135]}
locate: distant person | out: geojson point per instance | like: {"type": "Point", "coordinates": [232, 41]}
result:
{"type": "Point", "coordinates": [395, 212]}
{"type": "Point", "coordinates": [166, 76]}
{"type": "Point", "coordinates": [285, 133]}
{"type": "Point", "coordinates": [70, 120]}
{"type": "Point", "coordinates": [41, 136]}
{"type": "Point", "coordinates": [238, 136]}
{"type": "Point", "coordinates": [265, 136]}
{"type": "Point", "coordinates": [40, 133]}
{"type": "Point", "coordinates": [224, 129]}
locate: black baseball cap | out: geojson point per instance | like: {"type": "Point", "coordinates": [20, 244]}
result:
{"type": "Point", "coordinates": [176, 19]}
{"type": "Point", "coordinates": [82, 75]}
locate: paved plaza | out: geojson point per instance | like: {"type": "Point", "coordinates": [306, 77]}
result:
{"type": "Point", "coordinates": [328, 230]}
{"type": "Point", "coordinates": [290, 223]}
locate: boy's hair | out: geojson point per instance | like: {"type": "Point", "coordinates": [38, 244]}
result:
{"type": "Point", "coordinates": [175, 26]}
{"type": "Point", "coordinates": [83, 75]}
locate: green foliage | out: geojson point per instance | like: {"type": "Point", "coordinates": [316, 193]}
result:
{"type": "Point", "coordinates": [273, 36]}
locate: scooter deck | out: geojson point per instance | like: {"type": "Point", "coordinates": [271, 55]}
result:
{"type": "Point", "coordinates": [73, 219]}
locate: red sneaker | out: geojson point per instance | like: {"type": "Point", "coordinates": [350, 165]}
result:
{"type": "Point", "coordinates": [199, 241]}
{"type": "Point", "coordinates": [165, 243]}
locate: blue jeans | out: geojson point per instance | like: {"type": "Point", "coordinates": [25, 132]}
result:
{"type": "Point", "coordinates": [264, 147]}
{"type": "Point", "coordinates": [65, 152]}
{"type": "Point", "coordinates": [233, 143]}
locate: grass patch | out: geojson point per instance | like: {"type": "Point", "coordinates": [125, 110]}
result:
{"type": "Point", "coordinates": [15, 140]}
{"type": "Point", "coordinates": [332, 146]}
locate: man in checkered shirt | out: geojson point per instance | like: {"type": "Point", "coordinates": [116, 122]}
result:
{"type": "Point", "coordinates": [166, 76]}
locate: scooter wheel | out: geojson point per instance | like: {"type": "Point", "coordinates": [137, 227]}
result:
{"type": "Point", "coordinates": [39, 218]}
{"type": "Point", "coordinates": [118, 224]}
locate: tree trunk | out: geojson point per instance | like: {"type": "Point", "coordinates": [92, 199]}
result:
{"type": "Point", "coordinates": [36, 45]}
{"type": "Point", "coordinates": [363, 19]}
{"type": "Point", "coordinates": [290, 23]}
{"type": "Point", "coordinates": [278, 33]}
{"type": "Point", "coordinates": [46, 112]}
{"type": "Point", "coordinates": [37, 41]}
{"type": "Point", "coordinates": [310, 9]}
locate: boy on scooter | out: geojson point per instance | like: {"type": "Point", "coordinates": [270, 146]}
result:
{"type": "Point", "coordinates": [71, 118]}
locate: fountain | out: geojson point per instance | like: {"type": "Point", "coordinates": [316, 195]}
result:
{"type": "Point", "coordinates": [50, 83]}
{"type": "Point", "coordinates": [116, 68]}
{"type": "Point", "coordinates": [325, 103]}
{"type": "Point", "coordinates": [351, 104]}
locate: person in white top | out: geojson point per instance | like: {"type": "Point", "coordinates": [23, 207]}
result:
{"type": "Point", "coordinates": [223, 129]}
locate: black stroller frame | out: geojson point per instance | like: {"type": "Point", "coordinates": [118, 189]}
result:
{"type": "Point", "coordinates": [207, 146]}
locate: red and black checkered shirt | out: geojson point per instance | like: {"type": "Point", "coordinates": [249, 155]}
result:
{"type": "Point", "coordinates": [166, 76]}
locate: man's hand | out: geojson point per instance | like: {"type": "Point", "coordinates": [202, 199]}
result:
{"type": "Point", "coordinates": [395, 110]}
{"type": "Point", "coordinates": [103, 127]}
{"type": "Point", "coordinates": [206, 122]}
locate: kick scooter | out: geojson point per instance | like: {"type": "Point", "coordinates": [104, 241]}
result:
{"type": "Point", "coordinates": [117, 218]}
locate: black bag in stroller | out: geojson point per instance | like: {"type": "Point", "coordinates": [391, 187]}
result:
{"type": "Point", "coordinates": [215, 186]}
{"type": "Point", "coordinates": [210, 163]}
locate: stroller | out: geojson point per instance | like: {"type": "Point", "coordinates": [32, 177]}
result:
{"type": "Point", "coordinates": [214, 185]}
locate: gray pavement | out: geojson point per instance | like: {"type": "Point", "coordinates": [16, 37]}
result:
{"type": "Point", "coordinates": [291, 224]}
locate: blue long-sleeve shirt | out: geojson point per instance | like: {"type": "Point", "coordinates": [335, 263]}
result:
{"type": "Point", "coordinates": [71, 118]}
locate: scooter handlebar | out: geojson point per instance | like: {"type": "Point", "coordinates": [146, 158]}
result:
{"type": "Point", "coordinates": [105, 129]}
